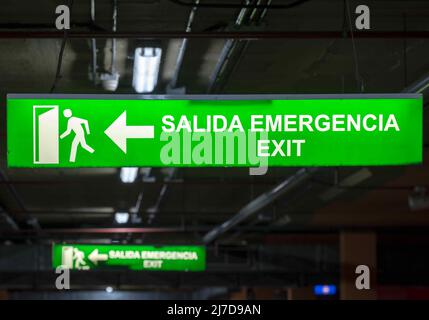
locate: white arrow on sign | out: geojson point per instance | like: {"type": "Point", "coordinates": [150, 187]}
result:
{"type": "Point", "coordinates": [119, 132]}
{"type": "Point", "coordinates": [95, 257]}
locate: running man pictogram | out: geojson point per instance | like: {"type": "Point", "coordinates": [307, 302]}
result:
{"type": "Point", "coordinates": [75, 124]}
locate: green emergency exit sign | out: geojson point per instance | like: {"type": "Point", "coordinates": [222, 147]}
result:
{"type": "Point", "coordinates": [133, 257]}
{"type": "Point", "coordinates": [213, 131]}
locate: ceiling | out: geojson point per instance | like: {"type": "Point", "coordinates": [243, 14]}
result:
{"type": "Point", "coordinates": [49, 204]}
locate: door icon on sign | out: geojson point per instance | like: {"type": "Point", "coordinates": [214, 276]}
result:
{"type": "Point", "coordinates": [45, 135]}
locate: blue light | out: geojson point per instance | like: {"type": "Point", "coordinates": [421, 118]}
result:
{"type": "Point", "coordinates": [325, 290]}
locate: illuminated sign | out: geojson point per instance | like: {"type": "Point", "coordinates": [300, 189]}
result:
{"type": "Point", "coordinates": [213, 131]}
{"type": "Point", "coordinates": [325, 290]}
{"type": "Point", "coordinates": [133, 257]}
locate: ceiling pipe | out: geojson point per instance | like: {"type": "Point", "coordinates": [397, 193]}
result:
{"type": "Point", "coordinates": [245, 35]}
{"type": "Point", "coordinates": [419, 86]}
{"type": "Point", "coordinates": [110, 78]}
{"type": "Point", "coordinates": [114, 29]}
{"type": "Point", "coordinates": [226, 52]}
{"type": "Point", "coordinates": [203, 182]}
{"type": "Point", "coordinates": [233, 45]}
{"type": "Point", "coordinates": [152, 211]}
{"type": "Point", "coordinates": [47, 232]}
{"type": "Point", "coordinates": [9, 220]}
{"type": "Point", "coordinates": [49, 26]}
{"type": "Point", "coordinates": [93, 46]}
{"type": "Point", "coordinates": [260, 202]}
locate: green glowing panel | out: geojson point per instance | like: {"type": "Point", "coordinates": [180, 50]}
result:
{"type": "Point", "coordinates": [213, 131]}
{"type": "Point", "coordinates": [133, 257]}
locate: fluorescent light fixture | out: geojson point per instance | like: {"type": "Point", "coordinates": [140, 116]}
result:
{"type": "Point", "coordinates": [325, 290]}
{"type": "Point", "coordinates": [122, 217]}
{"type": "Point", "coordinates": [146, 69]}
{"type": "Point", "coordinates": [110, 81]}
{"type": "Point", "coordinates": [129, 174]}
